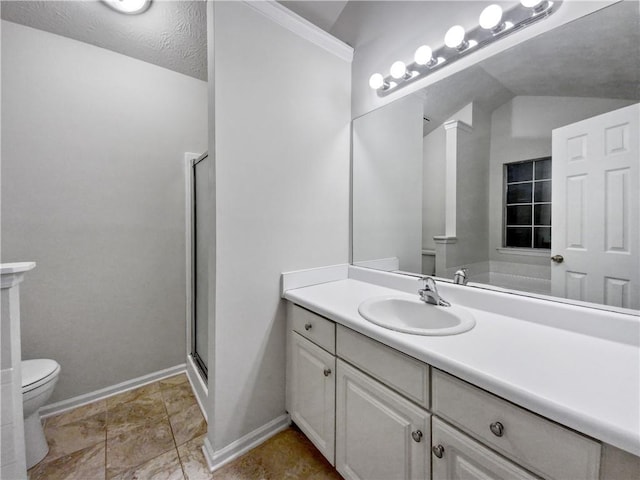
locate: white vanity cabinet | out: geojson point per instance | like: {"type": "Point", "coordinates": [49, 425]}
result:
{"type": "Point", "coordinates": [314, 387]}
{"type": "Point", "coordinates": [379, 434]}
{"type": "Point", "coordinates": [377, 413]}
{"type": "Point", "coordinates": [540, 445]}
{"type": "Point", "coordinates": [457, 456]}
{"type": "Point", "coordinates": [375, 420]}
{"type": "Point", "coordinates": [311, 386]}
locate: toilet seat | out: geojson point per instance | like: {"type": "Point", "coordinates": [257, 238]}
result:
{"type": "Point", "coordinates": [36, 373]}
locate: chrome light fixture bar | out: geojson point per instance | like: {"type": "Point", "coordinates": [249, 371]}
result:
{"type": "Point", "coordinates": [493, 25]}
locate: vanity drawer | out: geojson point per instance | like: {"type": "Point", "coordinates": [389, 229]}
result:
{"type": "Point", "coordinates": [404, 374]}
{"type": "Point", "coordinates": [318, 329]}
{"type": "Point", "coordinates": [544, 447]}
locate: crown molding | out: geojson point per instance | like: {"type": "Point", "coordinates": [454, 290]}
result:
{"type": "Point", "coordinates": [302, 27]}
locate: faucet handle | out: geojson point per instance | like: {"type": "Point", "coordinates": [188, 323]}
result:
{"type": "Point", "coordinates": [429, 283]}
{"type": "Point", "coordinates": [460, 277]}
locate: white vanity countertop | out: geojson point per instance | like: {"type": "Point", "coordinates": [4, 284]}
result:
{"type": "Point", "coordinates": [584, 382]}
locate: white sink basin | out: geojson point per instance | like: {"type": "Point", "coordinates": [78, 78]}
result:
{"type": "Point", "coordinates": [414, 316]}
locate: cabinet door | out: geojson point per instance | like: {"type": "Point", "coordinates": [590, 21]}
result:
{"type": "Point", "coordinates": [457, 457]}
{"type": "Point", "coordinates": [313, 393]}
{"type": "Point", "coordinates": [379, 434]}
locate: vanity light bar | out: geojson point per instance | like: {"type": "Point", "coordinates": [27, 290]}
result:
{"type": "Point", "coordinates": [494, 24]}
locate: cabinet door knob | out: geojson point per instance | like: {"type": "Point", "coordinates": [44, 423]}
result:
{"type": "Point", "coordinates": [557, 259]}
{"type": "Point", "coordinates": [417, 435]}
{"type": "Point", "coordinates": [327, 372]}
{"type": "Point", "coordinates": [438, 451]}
{"type": "Point", "coordinates": [497, 429]}
{"type": "Point", "coordinates": [307, 326]}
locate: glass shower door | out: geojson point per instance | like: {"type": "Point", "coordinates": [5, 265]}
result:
{"type": "Point", "coordinates": [201, 234]}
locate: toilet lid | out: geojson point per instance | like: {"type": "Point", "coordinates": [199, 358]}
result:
{"type": "Point", "coordinates": [36, 372]}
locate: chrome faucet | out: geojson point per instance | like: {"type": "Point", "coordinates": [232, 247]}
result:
{"type": "Point", "coordinates": [460, 277]}
{"type": "Point", "coordinates": [429, 294]}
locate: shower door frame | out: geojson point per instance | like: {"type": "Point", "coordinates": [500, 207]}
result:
{"type": "Point", "coordinates": [191, 160]}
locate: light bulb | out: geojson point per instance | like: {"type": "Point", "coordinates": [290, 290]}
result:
{"type": "Point", "coordinates": [424, 55]}
{"type": "Point", "coordinates": [398, 70]}
{"type": "Point", "coordinates": [128, 6]}
{"type": "Point", "coordinates": [376, 81]}
{"type": "Point", "coordinates": [455, 37]}
{"type": "Point", "coordinates": [491, 17]}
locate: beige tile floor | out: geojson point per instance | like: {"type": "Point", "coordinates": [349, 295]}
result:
{"type": "Point", "coordinates": [156, 433]}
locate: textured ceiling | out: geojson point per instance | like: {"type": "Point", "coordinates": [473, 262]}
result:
{"type": "Point", "coordinates": [171, 34]}
{"type": "Point", "coordinates": [595, 56]}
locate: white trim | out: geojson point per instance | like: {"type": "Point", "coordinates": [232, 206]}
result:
{"type": "Point", "coordinates": [387, 264]}
{"type": "Point", "coordinates": [404, 282]}
{"type": "Point", "coordinates": [529, 252]}
{"type": "Point", "coordinates": [428, 252]}
{"type": "Point", "coordinates": [80, 400]}
{"type": "Point", "coordinates": [217, 459]}
{"type": "Point", "coordinates": [445, 239]}
{"type": "Point", "coordinates": [458, 124]}
{"type": "Point", "coordinates": [16, 267]}
{"type": "Point", "coordinates": [198, 385]}
{"type": "Point", "coordinates": [312, 276]}
{"type": "Point", "coordinates": [302, 27]}
{"type": "Point", "coordinates": [189, 158]}
{"type": "Point", "coordinates": [207, 450]}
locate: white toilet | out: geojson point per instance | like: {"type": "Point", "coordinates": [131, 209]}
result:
{"type": "Point", "coordinates": [39, 377]}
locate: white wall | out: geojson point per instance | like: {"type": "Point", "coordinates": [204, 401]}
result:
{"type": "Point", "coordinates": [387, 185]}
{"type": "Point", "coordinates": [521, 130]}
{"type": "Point", "coordinates": [472, 196]}
{"type": "Point", "coordinates": [462, 151]}
{"type": "Point", "coordinates": [434, 176]}
{"type": "Point", "coordinates": [93, 191]}
{"type": "Point", "coordinates": [434, 152]}
{"type": "Point", "coordinates": [282, 143]}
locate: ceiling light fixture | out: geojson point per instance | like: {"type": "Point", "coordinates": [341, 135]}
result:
{"type": "Point", "coordinates": [377, 82]}
{"type": "Point", "coordinates": [538, 6]}
{"type": "Point", "coordinates": [494, 23]}
{"type": "Point", "coordinates": [424, 56]}
{"type": "Point", "coordinates": [491, 19]}
{"type": "Point", "coordinates": [129, 7]}
{"type": "Point", "coordinates": [399, 71]}
{"type": "Point", "coordinates": [455, 38]}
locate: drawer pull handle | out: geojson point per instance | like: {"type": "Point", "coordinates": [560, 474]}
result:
{"type": "Point", "coordinates": [438, 451]}
{"type": "Point", "coordinates": [417, 436]}
{"type": "Point", "coordinates": [497, 429]}
{"type": "Point", "coordinates": [327, 372]}
{"type": "Point", "coordinates": [307, 326]}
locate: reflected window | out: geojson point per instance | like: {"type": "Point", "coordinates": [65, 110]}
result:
{"type": "Point", "coordinates": [527, 204]}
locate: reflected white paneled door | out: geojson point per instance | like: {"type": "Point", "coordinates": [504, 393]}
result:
{"type": "Point", "coordinates": [596, 209]}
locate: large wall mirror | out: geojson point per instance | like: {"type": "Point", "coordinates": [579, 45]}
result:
{"type": "Point", "coordinates": [530, 154]}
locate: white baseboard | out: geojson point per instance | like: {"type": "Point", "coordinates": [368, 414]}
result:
{"type": "Point", "coordinates": [198, 385]}
{"type": "Point", "coordinates": [215, 460]}
{"type": "Point", "coordinates": [71, 403]}
{"type": "Point", "coordinates": [207, 450]}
